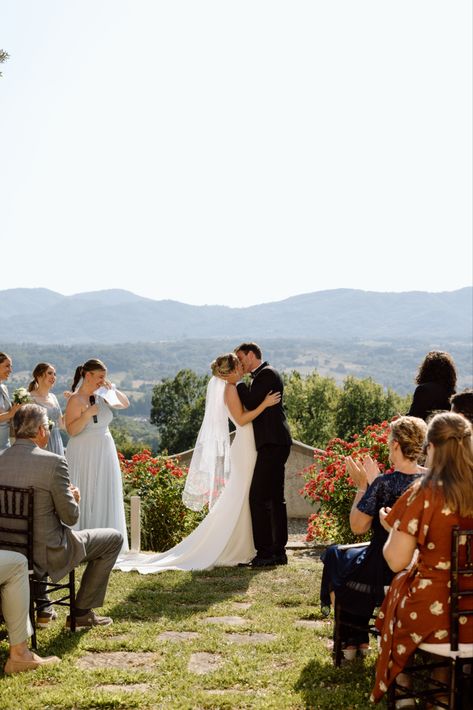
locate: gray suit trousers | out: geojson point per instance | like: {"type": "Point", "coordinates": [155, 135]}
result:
{"type": "Point", "coordinates": [102, 546]}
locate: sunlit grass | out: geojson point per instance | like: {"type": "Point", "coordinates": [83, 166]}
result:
{"type": "Point", "coordinates": [294, 670]}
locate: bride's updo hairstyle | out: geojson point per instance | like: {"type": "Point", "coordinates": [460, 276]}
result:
{"type": "Point", "coordinates": [224, 365]}
{"type": "Point", "coordinates": [89, 366]}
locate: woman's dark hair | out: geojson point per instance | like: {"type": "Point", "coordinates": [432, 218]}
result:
{"type": "Point", "coordinates": [38, 372]}
{"type": "Point", "coordinates": [3, 357]}
{"type": "Point", "coordinates": [89, 366]}
{"type": "Point", "coordinates": [250, 348]}
{"type": "Point", "coordinates": [462, 403]}
{"type": "Point", "coordinates": [438, 366]}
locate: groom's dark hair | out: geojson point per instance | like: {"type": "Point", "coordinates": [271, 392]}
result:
{"type": "Point", "coordinates": [250, 348]}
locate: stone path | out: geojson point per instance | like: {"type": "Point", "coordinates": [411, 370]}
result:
{"type": "Point", "coordinates": [199, 662]}
{"type": "Point", "coordinates": [202, 663]}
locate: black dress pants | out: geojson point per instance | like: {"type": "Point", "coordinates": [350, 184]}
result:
{"type": "Point", "coordinates": [267, 503]}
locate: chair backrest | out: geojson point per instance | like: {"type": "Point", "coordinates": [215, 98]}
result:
{"type": "Point", "coordinates": [16, 520]}
{"type": "Point", "coordinates": [461, 571]}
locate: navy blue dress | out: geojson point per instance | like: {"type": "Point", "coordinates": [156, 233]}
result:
{"type": "Point", "coordinates": [358, 575]}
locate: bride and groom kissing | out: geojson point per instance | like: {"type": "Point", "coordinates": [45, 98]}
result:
{"type": "Point", "coordinates": [243, 484]}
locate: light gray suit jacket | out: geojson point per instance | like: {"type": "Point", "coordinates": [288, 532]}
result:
{"type": "Point", "coordinates": [56, 549]}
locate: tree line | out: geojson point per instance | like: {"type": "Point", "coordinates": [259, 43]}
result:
{"type": "Point", "coordinates": [316, 407]}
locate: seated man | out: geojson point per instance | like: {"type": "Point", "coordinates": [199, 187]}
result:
{"type": "Point", "coordinates": [56, 548]}
{"type": "Point", "coordinates": [15, 598]}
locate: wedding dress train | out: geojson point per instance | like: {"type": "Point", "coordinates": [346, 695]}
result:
{"type": "Point", "coordinates": [225, 537]}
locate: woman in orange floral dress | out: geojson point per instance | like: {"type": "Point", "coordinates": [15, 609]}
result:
{"type": "Point", "coordinates": [416, 608]}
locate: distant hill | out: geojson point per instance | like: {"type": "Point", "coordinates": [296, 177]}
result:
{"type": "Point", "coordinates": [116, 316]}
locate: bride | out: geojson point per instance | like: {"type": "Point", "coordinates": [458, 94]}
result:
{"type": "Point", "coordinates": [219, 475]}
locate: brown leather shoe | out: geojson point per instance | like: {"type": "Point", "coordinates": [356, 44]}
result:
{"type": "Point", "coordinates": [12, 666]}
{"type": "Point", "coordinates": [89, 620]}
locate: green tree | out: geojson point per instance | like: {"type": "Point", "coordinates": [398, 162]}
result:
{"type": "Point", "coordinates": [364, 402]}
{"type": "Point", "coordinates": [311, 403]}
{"type": "Point", "coordinates": [177, 409]}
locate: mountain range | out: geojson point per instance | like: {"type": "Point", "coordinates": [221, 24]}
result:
{"type": "Point", "coordinates": [39, 315]}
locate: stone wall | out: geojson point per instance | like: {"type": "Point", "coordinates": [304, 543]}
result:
{"type": "Point", "coordinates": [301, 457]}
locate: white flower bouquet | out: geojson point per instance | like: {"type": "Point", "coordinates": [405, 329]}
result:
{"type": "Point", "coordinates": [21, 396]}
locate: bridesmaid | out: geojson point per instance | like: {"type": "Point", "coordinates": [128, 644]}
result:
{"type": "Point", "coordinates": [91, 453]}
{"type": "Point", "coordinates": [44, 378]}
{"type": "Point", "coordinates": [7, 409]}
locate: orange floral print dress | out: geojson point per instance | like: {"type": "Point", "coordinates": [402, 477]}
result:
{"type": "Point", "coordinates": [416, 607]}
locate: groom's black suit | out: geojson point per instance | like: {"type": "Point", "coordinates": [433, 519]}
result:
{"type": "Point", "coordinates": [273, 444]}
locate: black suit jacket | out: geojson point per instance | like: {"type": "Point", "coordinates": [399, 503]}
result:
{"type": "Point", "coordinates": [270, 426]}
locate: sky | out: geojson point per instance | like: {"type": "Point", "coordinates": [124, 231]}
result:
{"type": "Point", "coordinates": [235, 153]}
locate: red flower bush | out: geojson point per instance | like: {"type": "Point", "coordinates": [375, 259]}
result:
{"type": "Point", "coordinates": [329, 485]}
{"type": "Point", "coordinates": [159, 481]}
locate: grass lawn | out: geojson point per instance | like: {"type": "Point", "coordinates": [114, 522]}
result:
{"type": "Point", "coordinates": [135, 664]}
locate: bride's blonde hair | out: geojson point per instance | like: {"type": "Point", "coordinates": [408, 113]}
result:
{"type": "Point", "coordinates": [224, 364]}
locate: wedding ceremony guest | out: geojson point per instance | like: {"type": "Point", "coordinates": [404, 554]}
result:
{"type": "Point", "coordinates": [436, 381]}
{"type": "Point", "coordinates": [416, 607]}
{"type": "Point", "coordinates": [91, 453]}
{"type": "Point", "coordinates": [220, 477]}
{"type": "Point", "coordinates": [15, 607]}
{"type": "Point", "coordinates": [56, 548]}
{"type": "Point", "coordinates": [357, 576]}
{"type": "Point", "coordinates": [7, 409]}
{"type": "Point", "coordinates": [462, 403]}
{"type": "Point", "coordinates": [273, 446]}
{"type": "Point", "coordinates": [44, 378]}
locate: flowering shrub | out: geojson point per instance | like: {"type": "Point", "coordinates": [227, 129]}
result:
{"type": "Point", "coordinates": [159, 482]}
{"type": "Point", "coordinates": [329, 485]}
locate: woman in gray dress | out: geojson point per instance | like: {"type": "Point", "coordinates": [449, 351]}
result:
{"type": "Point", "coordinates": [7, 409]}
{"type": "Point", "coordinates": [44, 378]}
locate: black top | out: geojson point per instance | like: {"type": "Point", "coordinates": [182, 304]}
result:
{"type": "Point", "coordinates": [270, 426]}
{"type": "Point", "coordinates": [429, 397]}
{"type": "Point", "coordinates": [359, 575]}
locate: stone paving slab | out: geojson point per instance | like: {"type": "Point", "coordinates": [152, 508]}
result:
{"type": "Point", "coordinates": [201, 663]}
{"type": "Point", "coordinates": [124, 660]}
{"type": "Point", "coordinates": [229, 620]}
{"type": "Point", "coordinates": [178, 635]}
{"type": "Point", "coordinates": [134, 688]}
{"type": "Point", "coordinates": [313, 623]}
{"type": "Point", "coordinates": [250, 638]}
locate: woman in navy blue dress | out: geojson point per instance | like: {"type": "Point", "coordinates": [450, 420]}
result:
{"type": "Point", "coordinates": [357, 576]}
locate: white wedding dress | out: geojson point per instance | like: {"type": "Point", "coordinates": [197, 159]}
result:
{"type": "Point", "coordinates": [225, 537]}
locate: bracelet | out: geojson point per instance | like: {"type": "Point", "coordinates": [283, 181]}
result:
{"type": "Point", "coordinates": [361, 490]}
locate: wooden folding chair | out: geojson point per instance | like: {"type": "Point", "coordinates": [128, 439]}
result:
{"type": "Point", "coordinates": [16, 533]}
{"type": "Point", "coordinates": [455, 656]}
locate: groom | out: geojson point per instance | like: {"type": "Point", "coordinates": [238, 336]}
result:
{"type": "Point", "coordinates": [273, 444]}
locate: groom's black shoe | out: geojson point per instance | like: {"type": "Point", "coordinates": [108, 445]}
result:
{"type": "Point", "coordinates": [262, 562]}
{"type": "Point", "coordinates": [280, 559]}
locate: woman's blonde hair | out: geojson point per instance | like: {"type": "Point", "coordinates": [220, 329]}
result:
{"type": "Point", "coordinates": [409, 432]}
{"type": "Point", "coordinates": [224, 364]}
{"type": "Point", "coordinates": [452, 461]}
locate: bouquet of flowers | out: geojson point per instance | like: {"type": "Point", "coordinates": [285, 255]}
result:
{"type": "Point", "coordinates": [21, 396]}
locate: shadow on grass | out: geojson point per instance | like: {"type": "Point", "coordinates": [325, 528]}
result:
{"type": "Point", "coordinates": [322, 686]}
{"type": "Point", "coordinates": [177, 594]}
